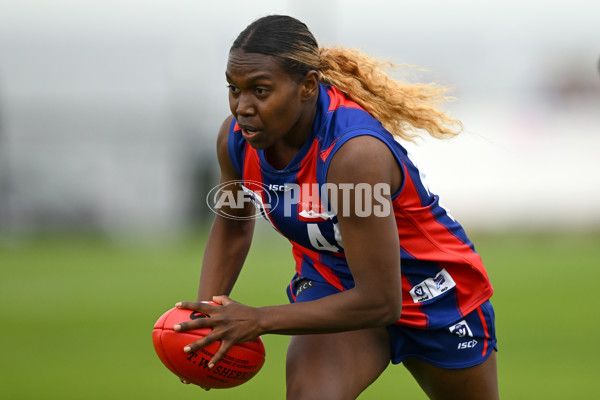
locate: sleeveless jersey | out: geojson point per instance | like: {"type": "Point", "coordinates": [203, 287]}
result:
{"type": "Point", "coordinates": [443, 278]}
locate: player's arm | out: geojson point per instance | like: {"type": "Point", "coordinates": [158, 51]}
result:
{"type": "Point", "coordinates": [229, 239]}
{"type": "Point", "coordinates": [373, 253]}
{"type": "Point", "coordinates": [371, 248]}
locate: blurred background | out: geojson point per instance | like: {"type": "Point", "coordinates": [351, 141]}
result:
{"type": "Point", "coordinates": [109, 109]}
{"type": "Point", "coordinates": [108, 117]}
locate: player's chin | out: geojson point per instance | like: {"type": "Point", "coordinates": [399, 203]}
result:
{"type": "Point", "coordinates": [257, 143]}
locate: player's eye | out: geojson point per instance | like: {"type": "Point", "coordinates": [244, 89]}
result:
{"type": "Point", "coordinates": [232, 89]}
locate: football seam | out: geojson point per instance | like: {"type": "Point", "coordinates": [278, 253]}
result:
{"type": "Point", "coordinates": [172, 367]}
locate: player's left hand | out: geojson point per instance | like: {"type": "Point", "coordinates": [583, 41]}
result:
{"type": "Point", "coordinates": [231, 323]}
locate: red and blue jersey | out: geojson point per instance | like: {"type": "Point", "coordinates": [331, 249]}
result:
{"type": "Point", "coordinates": [443, 278]}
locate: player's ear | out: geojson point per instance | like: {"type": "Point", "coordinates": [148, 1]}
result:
{"type": "Point", "coordinates": [309, 86]}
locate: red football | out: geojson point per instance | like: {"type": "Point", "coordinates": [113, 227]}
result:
{"type": "Point", "coordinates": [239, 365]}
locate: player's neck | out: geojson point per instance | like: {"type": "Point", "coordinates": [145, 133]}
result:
{"type": "Point", "coordinates": [283, 151]}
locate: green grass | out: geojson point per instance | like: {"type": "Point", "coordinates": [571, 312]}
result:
{"type": "Point", "coordinates": [77, 315]}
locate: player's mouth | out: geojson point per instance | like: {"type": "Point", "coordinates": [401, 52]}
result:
{"type": "Point", "coordinates": [250, 133]}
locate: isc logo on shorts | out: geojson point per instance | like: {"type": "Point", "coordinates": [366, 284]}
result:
{"type": "Point", "coordinates": [467, 345]}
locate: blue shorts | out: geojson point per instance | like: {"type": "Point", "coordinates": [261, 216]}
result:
{"type": "Point", "coordinates": [461, 344]}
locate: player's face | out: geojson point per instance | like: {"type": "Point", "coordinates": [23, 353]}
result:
{"type": "Point", "coordinates": [268, 104]}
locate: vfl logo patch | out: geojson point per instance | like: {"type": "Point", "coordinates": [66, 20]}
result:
{"type": "Point", "coordinates": [461, 329]}
{"type": "Point", "coordinates": [431, 288]}
{"type": "Point", "coordinates": [419, 291]}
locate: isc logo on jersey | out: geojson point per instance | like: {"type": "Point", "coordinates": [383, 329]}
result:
{"type": "Point", "coordinates": [279, 188]}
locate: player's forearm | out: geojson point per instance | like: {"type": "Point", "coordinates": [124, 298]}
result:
{"type": "Point", "coordinates": [348, 310]}
{"type": "Point", "coordinates": [226, 250]}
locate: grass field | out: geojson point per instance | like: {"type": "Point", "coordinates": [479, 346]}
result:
{"type": "Point", "coordinates": [77, 314]}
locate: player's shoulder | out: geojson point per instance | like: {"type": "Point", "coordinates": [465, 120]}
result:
{"type": "Point", "coordinates": [361, 157]}
{"type": "Point", "coordinates": [364, 146]}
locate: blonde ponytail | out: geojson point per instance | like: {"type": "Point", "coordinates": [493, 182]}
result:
{"type": "Point", "coordinates": [402, 108]}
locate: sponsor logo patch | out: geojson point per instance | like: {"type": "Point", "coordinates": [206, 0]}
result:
{"type": "Point", "coordinates": [431, 288]}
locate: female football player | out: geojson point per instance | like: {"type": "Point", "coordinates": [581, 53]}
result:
{"type": "Point", "coordinates": [382, 271]}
